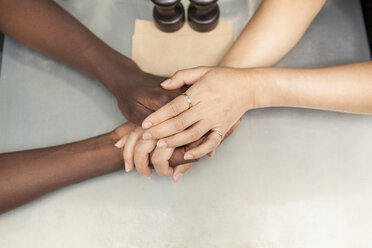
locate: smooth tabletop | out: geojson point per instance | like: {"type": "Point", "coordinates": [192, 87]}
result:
{"type": "Point", "coordinates": [285, 178]}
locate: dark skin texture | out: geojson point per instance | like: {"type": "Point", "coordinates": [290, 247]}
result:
{"type": "Point", "coordinates": [46, 27]}
{"type": "Point", "coordinates": [27, 175]}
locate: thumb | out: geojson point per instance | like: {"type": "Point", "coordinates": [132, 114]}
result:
{"type": "Point", "coordinates": [184, 77]}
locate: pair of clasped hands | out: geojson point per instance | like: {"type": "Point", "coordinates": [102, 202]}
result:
{"type": "Point", "coordinates": [197, 120]}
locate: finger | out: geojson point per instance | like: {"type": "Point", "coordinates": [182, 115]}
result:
{"type": "Point", "coordinates": [173, 108]}
{"type": "Point", "coordinates": [121, 142]}
{"type": "Point", "coordinates": [141, 156]}
{"type": "Point", "coordinates": [188, 77]}
{"type": "Point", "coordinates": [179, 153]}
{"type": "Point", "coordinates": [173, 126]}
{"type": "Point", "coordinates": [128, 152]}
{"type": "Point", "coordinates": [123, 129]}
{"type": "Point", "coordinates": [180, 170]}
{"type": "Point", "coordinates": [209, 145]}
{"type": "Point", "coordinates": [190, 135]}
{"type": "Point", "coordinates": [178, 156]}
{"type": "Point", "coordinates": [159, 160]}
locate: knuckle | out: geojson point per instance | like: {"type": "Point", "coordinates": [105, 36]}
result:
{"type": "Point", "coordinates": [155, 160]}
{"type": "Point", "coordinates": [174, 108]}
{"type": "Point", "coordinates": [195, 134]}
{"type": "Point", "coordinates": [171, 142]}
{"type": "Point", "coordinates": [155, 132]}
{"type": "Point", "coordinates": [211, 145]}
{"type": "Point", "coordinates": [138, 149]}
{"type": "Point", "coordinates": [180, 123]}
{"type": "Point", "coordinates": [177, 74]}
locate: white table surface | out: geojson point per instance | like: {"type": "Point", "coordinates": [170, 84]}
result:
{"type": "Point", "coordinates": [285, 178]}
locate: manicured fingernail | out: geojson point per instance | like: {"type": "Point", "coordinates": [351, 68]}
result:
{"type": "Point", "coordinates": [147, 136]}
{"type": "Point", "coordinates": [213, 152]}
{"type": "Point", "coordinates": [188, 156]}
{"type": "Point", "coordinates": [178, 177]}
{"type": "Point", "coordinates": [166, 82]}
{"type": "Point", "coordinates": [127, 168]}
{"type": "Point", "coordinates": [119, 144]}
{"type": "Point", "coordinates": [162, 144]}
{"type": "Point", "coordinates": [146, 124]}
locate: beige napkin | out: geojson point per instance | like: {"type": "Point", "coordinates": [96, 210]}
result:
{"type": "Point", "coordinates": [163, 53]}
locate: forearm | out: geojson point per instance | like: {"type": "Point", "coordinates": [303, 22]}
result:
{"type": "Point", "coordinates": [345, 88]}
{"type": "Point", "coordinates": [272, 32]}
{"type": "Point", "coordinates": [46, 27]}
{"type": "Point", "coordinates": [27, 175]}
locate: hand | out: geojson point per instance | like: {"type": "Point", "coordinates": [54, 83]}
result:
{"type": "Point", "coordinates": [138, 152]}
{"type": "Point", "coordinates": [138, 93]}
{"type": "Point", "coordinates": [220, 96]}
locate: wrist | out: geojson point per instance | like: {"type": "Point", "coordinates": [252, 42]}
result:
{"type": "Point", "coordinates": [263, 86]}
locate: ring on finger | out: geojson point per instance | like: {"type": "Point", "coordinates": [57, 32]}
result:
{"type": "Point", "coordinates": [218, 132]}
{"type": "Point", "coordinates": [188, 99]}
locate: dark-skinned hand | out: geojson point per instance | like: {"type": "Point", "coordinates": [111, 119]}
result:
{"type": "Point", "coordinates": [138, 93]}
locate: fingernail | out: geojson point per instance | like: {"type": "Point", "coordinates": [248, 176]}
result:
{"type": "Point", "coordinates": [166, 82]}
{"type": "Point", "coordinates": [119, 144]}
{"type": "Point", "coordinates": [127, 168]}
{"type": "Point", "coordinates": [147, 136]}
{"type": "Point", "coordinates": [213, 152]}
{"type": "Point", "coordinates": [188, 157]}
{"type": "Point", "coordinates": [178, 177]}
{"type": "Point", "coordinates": [161, 144]}
{"type": "Point", "coordinates": [146, 124]}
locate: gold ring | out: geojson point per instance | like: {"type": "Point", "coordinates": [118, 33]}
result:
{"type": "Point", "coordinates": [218, 132]}
{"type": "Point", "coordinates": [188, 99]}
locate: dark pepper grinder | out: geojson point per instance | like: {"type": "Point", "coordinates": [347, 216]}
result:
{"type": "Point", "coordinates": [169, 15]}
{"type": "Point", "coordinates": [203, 15]}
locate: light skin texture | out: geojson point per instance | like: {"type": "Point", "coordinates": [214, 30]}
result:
{"type": "Point", "coordinates": [274, 30]}
{"type": "Point", "coordinates": [46, 27]}
{"type": "Point", "coordinates": [344, 88]}
{"type": "Point", "coordinates": [140, 153]}
{"type": "Point", "coordinates": [253, 48]}
{"type": "Point", "coordinates": [222, 94]}
{"type": "Point", "coordinates": [27, 175]}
